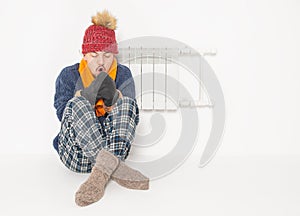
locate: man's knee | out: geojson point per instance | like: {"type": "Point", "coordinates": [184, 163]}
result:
{"type": "Point", "coordinates": [128, 106]}
{"type": "Point", "coordinates": [78, 101]}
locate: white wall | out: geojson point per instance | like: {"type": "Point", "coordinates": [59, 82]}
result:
{"type": "Point", "coordinates": [257, 43]}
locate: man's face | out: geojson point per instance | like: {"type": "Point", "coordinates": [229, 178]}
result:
{"type": "Point", "coordinates": [99, 62]}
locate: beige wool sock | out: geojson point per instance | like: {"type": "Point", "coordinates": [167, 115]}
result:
{"type": "Point", "coordinates": [130, 178]}
{"type": "Point", "coordinates": [93, 188]}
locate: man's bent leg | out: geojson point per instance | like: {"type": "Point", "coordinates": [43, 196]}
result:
{"type": "Point", "coordinates": [80, 137]}
{"type": "Point", "coordinates": [120, 125]}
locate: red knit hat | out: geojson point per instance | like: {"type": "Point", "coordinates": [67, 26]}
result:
{"type": "Point", "coordinates": [101, 35]}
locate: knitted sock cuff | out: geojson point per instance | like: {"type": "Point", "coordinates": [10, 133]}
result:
{"type": "Point", "coordinates": [106, 161]}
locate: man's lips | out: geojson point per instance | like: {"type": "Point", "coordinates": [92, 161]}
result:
{"type": "Point", "coordinates": [100, 69]}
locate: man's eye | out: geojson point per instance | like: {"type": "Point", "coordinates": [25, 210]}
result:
{"type": "Point", "coordinates": [107, 55]}
{"type": "Point", "coordinates": [94, 55]}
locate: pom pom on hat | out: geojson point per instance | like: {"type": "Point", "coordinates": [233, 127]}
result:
{"type": "Point", "coordinates": [101, 35]}
{"type": "Point", "coordinates": [105, 19]}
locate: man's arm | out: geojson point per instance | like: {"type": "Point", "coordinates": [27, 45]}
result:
{"type": "Point", "coordinates": [64, 91]}
{"type": "Point", "coordinates": [125, 82]}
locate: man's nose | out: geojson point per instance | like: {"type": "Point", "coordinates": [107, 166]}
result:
{"type": "Point", "coordinates": [100, 60]}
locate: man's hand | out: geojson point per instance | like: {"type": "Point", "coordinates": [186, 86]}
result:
{"type": "Point", "coordinates": [109, 108]}
{"type": "Point", "coordinates": [103, 87]}
{"type": "Point", "coordinates": [107, 91]}
{"type": "Point", "coordinates": [90, 92]}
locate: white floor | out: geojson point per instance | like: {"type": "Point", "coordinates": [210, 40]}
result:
{"type": "Point", "coordinates": [257, 185]}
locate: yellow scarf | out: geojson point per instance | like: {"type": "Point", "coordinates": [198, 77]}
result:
{"type": "Point", "coordinates": [87, 78]}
